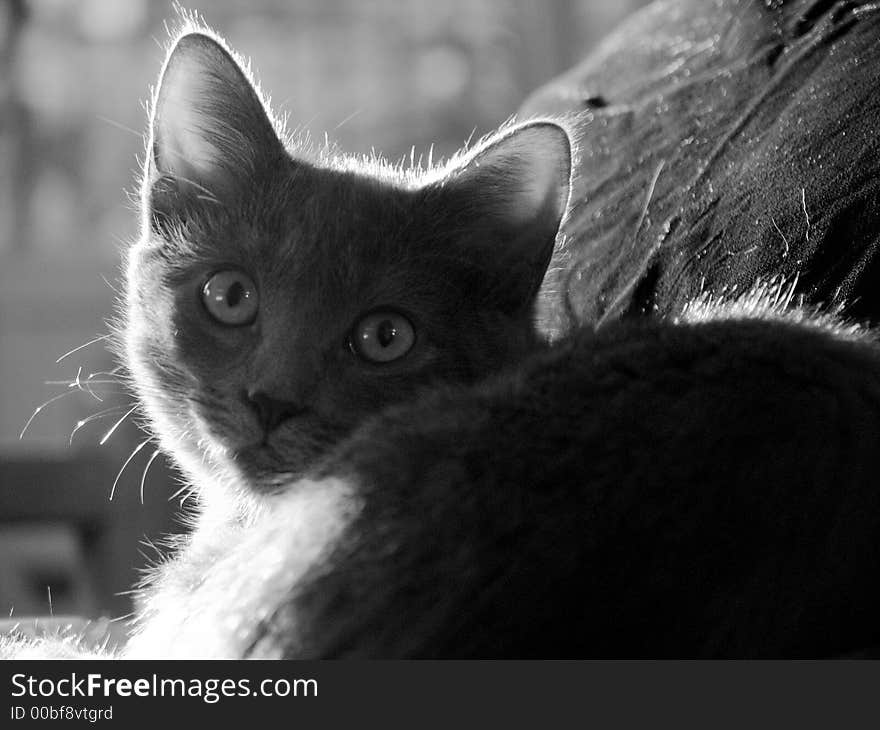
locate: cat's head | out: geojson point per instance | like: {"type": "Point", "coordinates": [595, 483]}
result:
{"type": "Point", "coordinates": [279, 297]}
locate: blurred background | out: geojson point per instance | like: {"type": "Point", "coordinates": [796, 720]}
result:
{"type": "Point", "coordinates": [374, 74]}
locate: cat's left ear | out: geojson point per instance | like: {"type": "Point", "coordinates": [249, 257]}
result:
{"type": "Point", "coordinates": [210, 129]}
{"type": "Point", "coordinates": [513, 193]}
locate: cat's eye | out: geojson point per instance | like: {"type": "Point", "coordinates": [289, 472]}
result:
{"type": "Point", "coordinates": [382, 337]}
{"type": "Point", "coordinates": [230, 296]}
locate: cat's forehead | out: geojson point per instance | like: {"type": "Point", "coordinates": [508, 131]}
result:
{"type": "Point", "coordinates": [303, 216]}
{"type": "Point", "coordinates": [313, 236]}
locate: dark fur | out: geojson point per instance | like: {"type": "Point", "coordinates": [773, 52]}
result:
{"type": "Point", "coordinates": [697, 490]}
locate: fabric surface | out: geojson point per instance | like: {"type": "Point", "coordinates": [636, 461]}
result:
{"type": "Point", "coordinates": [722, 141]}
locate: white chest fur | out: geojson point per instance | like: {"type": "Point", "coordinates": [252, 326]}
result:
{"type": "Point", "coordinates": [206, 602]}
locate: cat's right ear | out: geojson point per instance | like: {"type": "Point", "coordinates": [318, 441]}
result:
{"type": "Point", "coordinates": [209, 129]}
{"type": "Point", "coordinates": [511, 194]}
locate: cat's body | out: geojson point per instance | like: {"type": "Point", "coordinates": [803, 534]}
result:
{"type": "Point", "coordinates": [691, 489]}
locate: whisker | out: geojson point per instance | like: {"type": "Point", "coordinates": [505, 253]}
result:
{"type": "Point", "coordinates": [127, 462]}
{"type": "Point", "coordinates": [94, 417]}
{"type": "Point", "coordinates": [348, 118]}
{"type": "Point", "coordinates": [78, 383]}
{"type": "Point", "coordinates": [111, 286]}
{"type": "Point", "coordinates": [184, 488]}
{"type": "Point", "coordinates": [117, 425]}
{"type": "Point", "coordinates": [40, 408]}
{"type": "Point", "coordinates": [109, 373]}
{"type": "Point", "coordinates": [73, 383]}
{"type": "Point", "coordinates": [146, 469]}
{"type": "Point", "coordinates": [122, 127]}
{"type": "Point", "coordinates": [87, 385]}
{"type": "Point", "coordinates": [125, 616]}
{"type": "Point", "coordinates": [77, 349]}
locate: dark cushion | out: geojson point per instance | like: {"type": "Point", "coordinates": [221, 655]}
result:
{"type": "Point", "coordinates": [722, 142]}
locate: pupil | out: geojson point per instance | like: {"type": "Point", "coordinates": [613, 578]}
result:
{"type": "Point", "coordinates": [234, 295]}
{"type": "Point", "coordinates": [386, 332]}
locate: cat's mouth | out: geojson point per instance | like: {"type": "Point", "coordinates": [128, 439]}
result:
{"type": "Point", "coordinates": [292, 450]}
{"type": "Point", "coordinates": [266, 458]}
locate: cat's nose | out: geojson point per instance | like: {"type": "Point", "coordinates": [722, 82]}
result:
{"type": "Point", "coordinates": [270, 411]}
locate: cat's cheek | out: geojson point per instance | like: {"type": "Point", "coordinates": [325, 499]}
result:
{"type": "Point", "coordinates": [358, 389]}
{"type": "Point", "coordinates": [164, 389]}
{"type": "Point", "coordinates": [224, 433]}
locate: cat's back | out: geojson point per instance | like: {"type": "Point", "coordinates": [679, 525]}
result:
{"type": "Point", "coordinates": [699, 489]}
{"type": "Point", "coordinates": [665, 381]}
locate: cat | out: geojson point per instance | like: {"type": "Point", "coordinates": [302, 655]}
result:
{"type": "Point", "coordinates": [699, 488]}
{"type": "Point", "coordinates": [281, 295]}
{"type": "Point", "coordinates": [539, 500]}
{"type": "Point", "coordinates": [389, 459]}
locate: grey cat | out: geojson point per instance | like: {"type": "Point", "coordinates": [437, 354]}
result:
{"type": "Point", "coordinates": [389, 459]}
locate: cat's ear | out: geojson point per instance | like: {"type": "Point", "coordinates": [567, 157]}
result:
{"type": "Point", "coordinates": [514, 192]}
{"type": "Point", "coordinates": [209, 127]}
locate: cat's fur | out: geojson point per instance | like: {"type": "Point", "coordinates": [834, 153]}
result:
{"type": "Point", "coordinates": [698, 487]}
{"type": "Point", "coordinates": [704, 488]}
